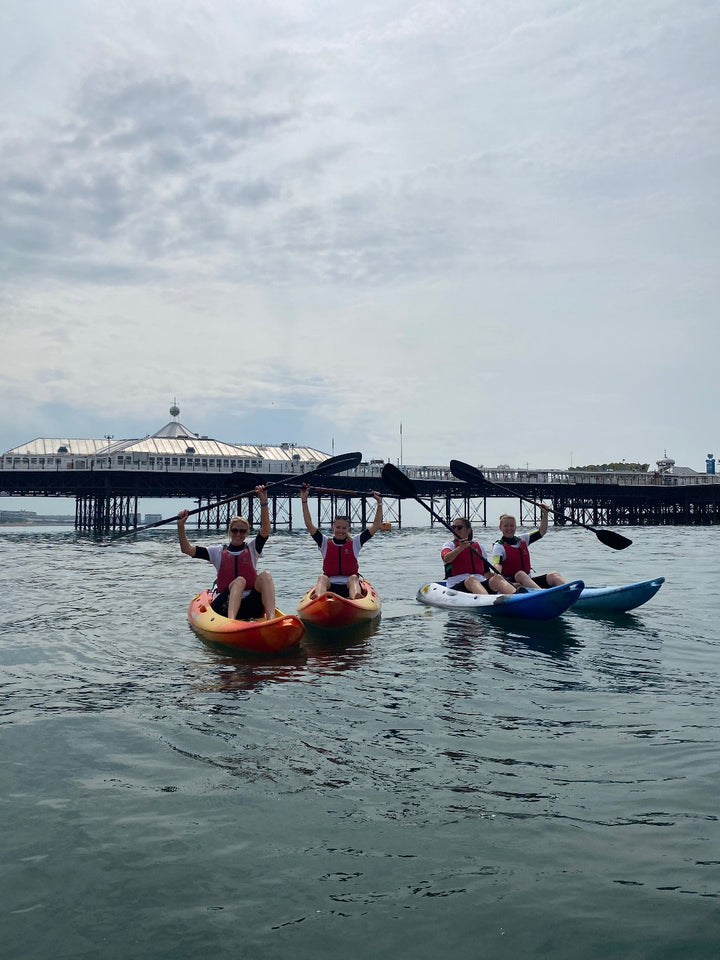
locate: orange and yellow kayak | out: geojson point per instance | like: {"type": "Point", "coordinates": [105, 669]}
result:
{"type": "Point", "coordinates": [257, 636]}
{"type": "Point", "coordinates": [331, 611]}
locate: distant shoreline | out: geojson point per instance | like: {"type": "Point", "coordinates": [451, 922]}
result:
{"type": "Point", "coordinates": [40, 522]}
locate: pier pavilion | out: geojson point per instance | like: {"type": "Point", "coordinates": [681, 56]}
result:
{"type": "Point", "coordinates": [107, 477]}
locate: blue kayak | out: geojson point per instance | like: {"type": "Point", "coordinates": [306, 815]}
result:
{"type": "Point", "coordinates": [617, 599]}
{"type": "Point", "coordinates": [533, 605]}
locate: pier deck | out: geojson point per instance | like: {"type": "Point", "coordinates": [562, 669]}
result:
{"type": "Point", "coordinates": [106, 496]}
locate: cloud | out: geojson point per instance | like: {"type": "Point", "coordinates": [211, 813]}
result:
{"type": "Point", "coordinates": [483, 220]}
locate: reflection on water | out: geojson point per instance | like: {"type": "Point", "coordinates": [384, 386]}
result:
{"type": "Point", "coordinates": [554, 638]}
{"type": "Point", "coordinates": [348, 644]}
{"type": "Point", "coordinates": [320, 652]}
{"type": "Point", "coordinates": [534, 774]}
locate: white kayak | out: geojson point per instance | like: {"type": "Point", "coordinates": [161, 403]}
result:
{"type": "Point", "coordinates": [617, 599]}
{"type": "Point", "coordinates": [533, 605]}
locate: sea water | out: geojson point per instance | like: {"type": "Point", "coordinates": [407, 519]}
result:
{"type": "Point", "coordinates": [438, 785]}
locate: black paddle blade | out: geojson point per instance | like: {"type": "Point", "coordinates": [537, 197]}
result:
{"type": "Point", "coordinates": [344, 461]}
{"type": "Point", "coordinates": [611, 539]}
{"type": "Point", "coordinates": [399, 483]}
{"type": "Point", "coordinates": [463, 471]}
{"type": "Point", "coordinates": [470, 474]}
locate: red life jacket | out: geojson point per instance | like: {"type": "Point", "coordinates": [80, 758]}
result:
{"type": "Point", "coordinates": [517, 557]}
{"type": "Point", "coordinates": [234, 565]}
{"type": "Point", "coordinates": [467, 562]}
{"type": "Point", "coordinates": [340, 559]}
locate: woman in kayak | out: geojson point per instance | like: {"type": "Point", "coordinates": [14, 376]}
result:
{"type": "Point", "coordinates": [340, 564]}
{"type": "Point", "coordinates": [512, 556]}
{"type": "Point", "coordinates": [466, 564]}
{"type": "Point", "coordinates": [241, 592]}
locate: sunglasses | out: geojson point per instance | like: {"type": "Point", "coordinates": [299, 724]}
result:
{"type": "Point", "coordinates": [458, 526]}
{"type": "Point", "coordinates": [238, 529]}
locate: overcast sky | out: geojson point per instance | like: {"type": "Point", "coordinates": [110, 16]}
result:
{"type": "Point", "coordinates": [493, 222]}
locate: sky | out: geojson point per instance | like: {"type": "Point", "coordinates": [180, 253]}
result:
{"type": "Point", "coordinates": [421, 230]}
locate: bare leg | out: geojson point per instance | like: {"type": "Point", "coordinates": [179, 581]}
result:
{"type": "Point", "coordinates": [322, 586]}
{"type": "Point", "coordinates": [473, 585]}
{"type": "Point", "coordinates": [554, 579]}
{"type": "Point", "coordinates": [524, 580]}
{"type": "Point", "coordinates": [266, 588]}
{"type": "Point", "coordinates": [500, 584]}
{"type": "Point", "coordinates": [237, 588]}
{"type": "Point", "coordinates": [354, 588]}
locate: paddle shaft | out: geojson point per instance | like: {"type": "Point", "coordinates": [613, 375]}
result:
{"type": "Point", "coordinates": [355, 493]}
{"type": "Point", "coordinates": [468, 473]}
{"type": "Point", "coordinates": [334, 465]}
{"type": "Point", "coordinates": [403, 486]}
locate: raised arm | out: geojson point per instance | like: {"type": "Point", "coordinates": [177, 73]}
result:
{"type": "Point", "coordinates": [185, 544]}
{"type": "Point", "coordinates": [543, 519]}
{"type": "Point", "coordinates": [262, 495]}
{"type": "Point", "coordinates": [304, 494]}
{"type": "Point", "coordinates": [377, 522]}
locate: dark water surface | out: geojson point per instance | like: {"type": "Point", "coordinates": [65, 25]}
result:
{"type": "Point", "coordinates": [442, 786]}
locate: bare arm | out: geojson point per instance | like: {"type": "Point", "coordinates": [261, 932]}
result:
{"type": "Point", "coordinates": [185, 544]}
{"type": "Point", "coordinates": [262, 495]}
{"type": "Point", "coordinates": [377, 522]}
{"type": "Point", "coordinates": [452, 555]}
{"type": "Point", "coordinates": [543, 520]}
{"type": "Point", "coordinates": [304, 494]}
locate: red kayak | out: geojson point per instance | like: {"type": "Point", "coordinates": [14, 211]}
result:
{"type": "Point", "coordinates": [256, 636]}
{"type": "Point", "coordinates": [332, 611]}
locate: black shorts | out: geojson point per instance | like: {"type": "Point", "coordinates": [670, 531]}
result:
{"type": "Point", "coordinates": [461, 588]}
{"type": "Point", "coordinates": [250, 609]}
{"type": "Point", "coordinates": [341, 589]}
{"type": "Point", "coordinates": [541, 581]}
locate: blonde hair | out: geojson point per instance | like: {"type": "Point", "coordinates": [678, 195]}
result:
{"type": "Point", "coordinates": [506, 516]}
{"type": "Point", "coordinates": [235, 520]}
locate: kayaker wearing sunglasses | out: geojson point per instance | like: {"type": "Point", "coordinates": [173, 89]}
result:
{"type": "Point", "coordinates": [241, 592]}
{"type": "Point", "coordinates": [466, 563]}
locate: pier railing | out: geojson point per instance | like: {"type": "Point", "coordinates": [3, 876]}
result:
{"type": "Point", "coordinates": [141, 463]}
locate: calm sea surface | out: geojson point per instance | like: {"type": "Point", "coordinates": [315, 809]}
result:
{"type": "Point", "coordinates": [443, 786]}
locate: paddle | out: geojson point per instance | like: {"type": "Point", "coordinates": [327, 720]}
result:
{"type": "Point", "coordinates": [470, 474]}
{"type": "Point", "coordinates": [403, 486]}
{"type": "Point", "coordinates": [344, 461]}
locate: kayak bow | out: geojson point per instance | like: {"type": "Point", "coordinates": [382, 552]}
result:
{"type": "Point", "coordinates": [617, 599]}
{"type": "Point", "coordinates": [257, 636]}
{"type": "Point", "coordinates": [331, 611]}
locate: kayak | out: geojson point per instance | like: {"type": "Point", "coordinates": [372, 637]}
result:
{"type": "Point", "coordinates": [618, 599]}
{"type": "Point", "coordinates": [256, 636]}
{"type": "Point", "coordinates": [331, 611]}
{"type": "Point", "coordinates": [533, 605]}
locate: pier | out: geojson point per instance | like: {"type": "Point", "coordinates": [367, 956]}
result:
{"type": "Point", "coordinates": [107, 495]}
{"type": "Point", "coordinates": [108, 478]}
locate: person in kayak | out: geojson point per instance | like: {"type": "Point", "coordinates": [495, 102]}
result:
{"type": "Point", "coordinates": [512, 556]}
{"type": "Point", "coordinates": [340, 572]}
{"type": "Point", "coordinates": [241, 593]}
{"type": "Point", "coordinates": [466, 563]}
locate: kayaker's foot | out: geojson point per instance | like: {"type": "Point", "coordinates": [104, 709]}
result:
{"type": "Point", "coordinates": [521, 589]}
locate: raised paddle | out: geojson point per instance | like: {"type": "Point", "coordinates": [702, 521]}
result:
{"type": "Point", "coordinates": [470, 474]}
{"type": "Point", "coordinates": [344, 461]}
{"type": "Point", "coordinates": [401, 485]}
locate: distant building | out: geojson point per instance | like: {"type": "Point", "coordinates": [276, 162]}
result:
{"type": "Point", "coordinates": [173, 448]}
{"type": "Point", "coordinates": [666, 466]}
